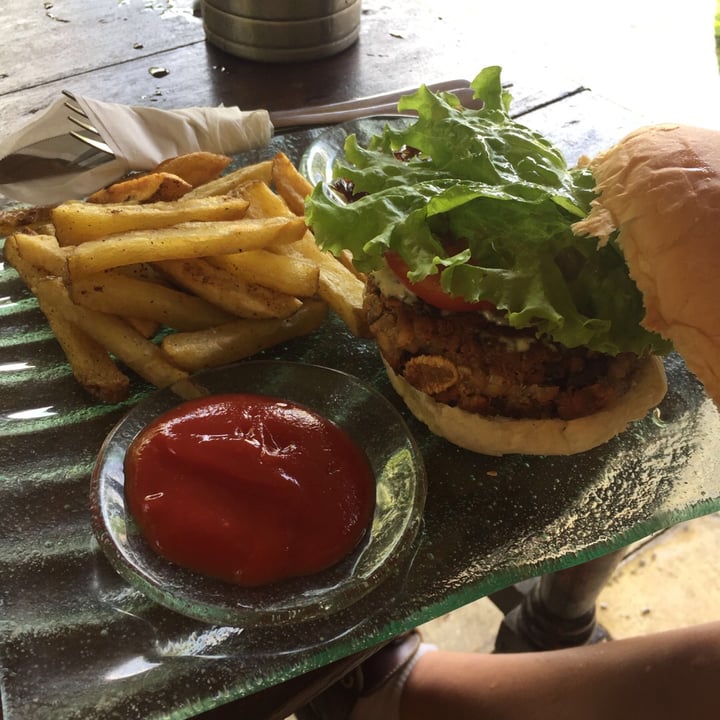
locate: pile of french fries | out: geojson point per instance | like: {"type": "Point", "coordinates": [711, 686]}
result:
{"type": "Point", "coordinates": [183, 268]}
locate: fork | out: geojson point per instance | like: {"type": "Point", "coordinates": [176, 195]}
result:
{"type": "Point", "coordinates": [80, 118]}
{"type": "Point", "coordinates": [330, 114]}
{"type": "Point", "coordinates": [384, 104]}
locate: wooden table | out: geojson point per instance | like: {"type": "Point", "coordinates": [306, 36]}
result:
{"type": "Point", "coordinates": [75, 641]}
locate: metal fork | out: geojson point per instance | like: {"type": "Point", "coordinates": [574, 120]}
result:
{"type": "Point", "coordinates": [80, 118]}
{"type": "Point", "coordinates": [385, 104]}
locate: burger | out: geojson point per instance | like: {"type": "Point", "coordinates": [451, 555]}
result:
{"type": "Point", "coordinates": [658, 193]}
{"type": "Point", "coordinates": [519, 305]}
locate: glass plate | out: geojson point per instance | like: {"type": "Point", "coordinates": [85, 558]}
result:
{"type": "Point", "coordinates": [77, 640]}
{"type": "Point", "coordinates": [352, 405]}
{"type": "Point", "coordinates": [318, 161]}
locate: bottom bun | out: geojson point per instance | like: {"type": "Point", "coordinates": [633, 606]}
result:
{"type": "Point", "coordinates": [503, 436]}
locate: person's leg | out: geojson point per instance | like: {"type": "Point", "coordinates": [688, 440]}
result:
{"type": "Point", "coordinates": [666, 675]}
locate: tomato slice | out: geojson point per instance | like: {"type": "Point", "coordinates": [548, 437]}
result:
{"type": "Point", "coordinates": [430, 290]}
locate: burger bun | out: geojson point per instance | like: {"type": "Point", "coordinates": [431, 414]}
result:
{"type": "Point", "coordinates": [501, 436]}
{"type": "Point", "coordinates": [660, 188]}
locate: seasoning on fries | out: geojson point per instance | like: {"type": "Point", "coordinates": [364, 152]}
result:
{"type": "Point", "coordinates": [222, 264]}
{"type": "Point", "coordinates": [186, 240]}
{"type": "Point", "coordinates": [78, 222]}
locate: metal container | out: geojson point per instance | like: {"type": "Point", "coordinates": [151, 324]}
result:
{"type": "Point", "coordinates": [318, 33]}
{"type": "Point", "coordinates": [281, 9]}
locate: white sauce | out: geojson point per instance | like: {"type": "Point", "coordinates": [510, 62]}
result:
{"type": "Point", "coordinates": [516, 344]}
{"type": "Point", "coordinates": [391, 286]}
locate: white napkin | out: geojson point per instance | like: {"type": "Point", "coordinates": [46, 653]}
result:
{"type": "Point", "coordinates": [140, 137]}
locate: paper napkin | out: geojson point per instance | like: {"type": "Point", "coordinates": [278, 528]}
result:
{"type": "Point", "coordinates": [140, 137]}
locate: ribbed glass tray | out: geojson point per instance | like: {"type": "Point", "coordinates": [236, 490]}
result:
{"type": "Point", "coordinates": [76, 641]}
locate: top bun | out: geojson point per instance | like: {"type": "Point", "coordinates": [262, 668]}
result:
{"type": "Point", "coordinates": [660, 187]}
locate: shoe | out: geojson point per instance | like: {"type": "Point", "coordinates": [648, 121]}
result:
{"type": "Point", "coordinates": [338, 701]}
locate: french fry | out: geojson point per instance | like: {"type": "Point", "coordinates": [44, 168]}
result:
{"type": "Point", "coordinates": [195, 168]}
{"type": "Point", "coordinates": [115, 335]}
{"type": "Point", "coordinates": [262, 201]}
{"type": "Point", "coordinates": [23, 218]}
{"type": "Point", "coordinates": [227, 183]}
{"type": "Point", "coordinates": [240, 339]}
{"type": "Point", "coordinates": [27, 271]}
{"type": "Point", "coordinates": [290, 184]}
{"type": "Point", "coordinates": [142, 271]}
{"type": "Point", "coordinates": [120, 294]}
{"type": "Point", "coordinates": [217, 286]}
{"type": "Point", "coordinates": [78, 222]}
{"type": "Point", "coordinates": [187, 240]}
{"type": "Point", "coordinates": [147, 327]}
{"type": "Point", "coordinates": [342, 290]}
{"type": "Point", "coordinates": [228, 266]}
{"type": "Point", "coordinates": [285, 274]}
{"type": "Point", "coordinates": [149, 187]}
{"type": "Point", "coordinates": [338, 286]}
{"type": "Point", "coordinates": [89, 362]}
{"type": "Point", "coordinates": [42, 251]}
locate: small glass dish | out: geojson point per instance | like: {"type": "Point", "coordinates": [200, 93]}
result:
{"type": "Point", "coordinates": [369, 418]}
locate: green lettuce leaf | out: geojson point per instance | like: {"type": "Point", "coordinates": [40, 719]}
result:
{"type": "Point", "coordinates": [508, 194]}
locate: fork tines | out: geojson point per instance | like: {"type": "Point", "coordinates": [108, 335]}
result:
{"type": "Point", "coordinates": [81, 121]}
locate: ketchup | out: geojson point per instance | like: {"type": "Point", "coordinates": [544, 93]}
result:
{"type": "Point", "coordinates": [248, 488]}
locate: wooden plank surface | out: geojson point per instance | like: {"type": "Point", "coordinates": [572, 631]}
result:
{"type": "Point", "coordinates": [106, 49]}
